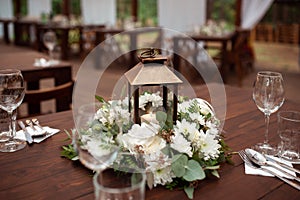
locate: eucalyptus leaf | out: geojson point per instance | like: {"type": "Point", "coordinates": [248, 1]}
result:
{"type": "Point", "coordinates": [161, 117]}
{"type": "Point", "coordinates": [189, 192]}
{"type": "Point", "coordinates": [179, 164]}
{"type": "Point", "coordinates": [194, 171]}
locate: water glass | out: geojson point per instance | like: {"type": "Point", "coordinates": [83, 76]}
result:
{"type": "Point", "coordinates": [289, 132]}
{"type": "Point", "coordinates": [4, 126]}
{"type": "Point", "coordinates": [119, 185]}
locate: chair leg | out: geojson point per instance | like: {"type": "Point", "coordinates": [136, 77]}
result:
{"type": "Point", "coordinates": [239, 72]}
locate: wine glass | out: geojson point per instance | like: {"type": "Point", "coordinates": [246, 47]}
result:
{"type": "Point", "coordinates": [12, 92]}
{"type": "Point", "coordinates": [268, 95]}
{"type": "Point", "coordinates": [95, 149]}
{"type": "Point", "coordinates": [50, 41]}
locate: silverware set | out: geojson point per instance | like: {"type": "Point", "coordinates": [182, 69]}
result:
{"type": "Point", "coordinates": [36, 132]}
{"type": "Point", "coordinates": [256, 160]}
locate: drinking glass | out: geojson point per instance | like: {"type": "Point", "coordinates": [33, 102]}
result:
{"type": "Point", "coordinates": [268, 95]}
{"type": "Point", "coordinates": [12, 92]}
{"type": "Point", "coordinates": [50, 41]}
{"type": "Point", "coordinates": [289, 132]}
{"type": "Point", "coordinates": [120, 185]}
{"type": "Point", "coordinates": [95, 151]}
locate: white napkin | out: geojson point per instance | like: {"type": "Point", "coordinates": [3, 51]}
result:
{"type": "Point", "coordinates": [250, 170]}
{"type": "Point", "coordinates": [51, 131]}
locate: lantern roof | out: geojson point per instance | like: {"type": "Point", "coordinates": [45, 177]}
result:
{"type": "Point", "coordinates": [151, 71]}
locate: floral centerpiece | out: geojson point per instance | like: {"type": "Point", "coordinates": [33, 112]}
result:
{"type": "Point", "coordinates": [174, 155]}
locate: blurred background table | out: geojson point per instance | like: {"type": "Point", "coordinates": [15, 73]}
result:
{"type": "Point", "coordinates": [38, 77]}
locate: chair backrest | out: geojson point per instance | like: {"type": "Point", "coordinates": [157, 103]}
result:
{"type": "Point", "coordinates": [241, 39]}
{"type": "Point", "coordinates": [40, 89]}
{"type": "Point", "coordinates": [62, 95]}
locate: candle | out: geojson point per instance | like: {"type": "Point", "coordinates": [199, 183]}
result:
{"type": "Point", "coordinates": [149, 118]}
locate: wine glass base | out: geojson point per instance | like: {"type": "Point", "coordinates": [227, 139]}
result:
{"type": "Point", "coordinates": [264, 148]}
{"type": "Point", "coordinates": [4, 137]}
{"type": "Point", "coordinates": [12, 145]}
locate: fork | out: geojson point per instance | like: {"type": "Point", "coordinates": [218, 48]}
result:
{"type": "Point", "coordinates": [254, 166]}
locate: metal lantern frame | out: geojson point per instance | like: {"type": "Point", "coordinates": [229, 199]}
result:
{"type": "Point", "coordinates": [151, 71]}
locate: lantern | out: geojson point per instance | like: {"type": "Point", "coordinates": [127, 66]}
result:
{"type": "Point", "coordinates": [152, 71]}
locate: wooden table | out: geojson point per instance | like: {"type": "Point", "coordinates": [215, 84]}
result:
{"type": "Point", "coordinates": [60, 73]}
{"type": "Point", "coordinates": [63, 35]}
{"type": "Point", "coordinates": [23, 30]}
{"type": "Point", "coordinates": [224, 40]}
{"type": "Point", "coordinates": [128, 44]}
{"type": "Point", "coordinates": [5, 22]}
{"type": "Point", "coordinates": [38, 171]}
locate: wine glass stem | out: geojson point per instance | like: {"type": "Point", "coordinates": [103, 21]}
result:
{"type": "Point", "coordinates": [51, 54]}
{"type": "Point", "coordinates": [12, 127]}
{"type": "Point", "coordinates": [267, 119]}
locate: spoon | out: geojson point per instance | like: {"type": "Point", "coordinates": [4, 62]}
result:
{"type": "Point", "coordinates": [260, 160]}
{"type": "Point", "coordinates": [37, 133]}
{"type": "Point", "coordinates": [29, 123]}
{"type": "Point", "coordinates": [36, 122]}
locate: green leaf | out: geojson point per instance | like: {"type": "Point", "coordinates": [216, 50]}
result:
{"type": "Point", "coordinates": [179, 163]}
{"type": "Point", "coordinates": [161, 117]}
{"type": "Point", "coordinates": [215, 173]}
{"type": "Point", "coordinates": [68, 152]}
{"type": "Point", "coordinates": [100, 99]}
{"type": "Point", "coordinates": [194, 171]}
{"type": "Point", "coordinates": [189, 192]}
{"type": "Point", "coordinates": [213, 167]}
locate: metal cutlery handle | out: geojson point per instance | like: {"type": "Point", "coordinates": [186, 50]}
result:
{"type": "Point", "coordinates": [291, 183]}
{"type": "Point", "coordinates": [27, 135]}
{"type": "Point", "coordinates": [253, 165]}
{"type": "Point", "coordinates": [282, 171]}
{"type": "Point", "coordinates": [283, 165]}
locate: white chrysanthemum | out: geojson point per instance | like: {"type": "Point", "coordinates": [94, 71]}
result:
{"type": "Point", "coordinates": [114, 112]}
{"type": "Point", "coordinates": [97, 147]}
{"type": "Point", "coordinates": [198, 118]}
{"type": "Point", "coordinates": [154, 99]}
{"type": "Point", "coordinates": [209, 146]}
{"type": "Point", "coordinates": [102, 115]}
{"type": "Point", "coordinates": [160, 166]}
{"type": "Point", "coordinates": [163, 176]}
{"type": "Point", "coordinates": [186, 128]}
{"type": "Point", "coordinates": [184, 106]}
{"type": "Point", "coordinates": [180, 144]}
{"type": "Point", "coordinates": [213, 131]}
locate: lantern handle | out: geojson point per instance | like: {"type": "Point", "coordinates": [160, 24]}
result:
{"type": "Point", "coordinates": [148, 53]}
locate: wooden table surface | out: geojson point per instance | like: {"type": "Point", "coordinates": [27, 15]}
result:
{"type": "Point", "coordinates": [224, 40]}
{"type": "Point", "coordinates": [38, 171]}
{"type": "Point", "coordinates": [57, 74]}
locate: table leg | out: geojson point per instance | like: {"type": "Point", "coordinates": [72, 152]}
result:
{"type": "Point", "coordinates": [64, 44]}
{"type": "Point", "coordinates": [223, 61]}
{"type": "Point", "coordinates": [33, 108]}
{"type": "Point", "coordinates": [5, 32]}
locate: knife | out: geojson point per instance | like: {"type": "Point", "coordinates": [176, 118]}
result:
{"type": "Point", "coordinates": [27, 135]}
{"type": "Point", "coordinates": [282, 164]}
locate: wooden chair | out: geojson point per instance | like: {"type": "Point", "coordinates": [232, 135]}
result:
{"type": "Point", "coordinates": [240, 56]}
{"type": "Point", "coordinates": [62, 95]}
{"type": "Point", "coordinates": [61, 91]}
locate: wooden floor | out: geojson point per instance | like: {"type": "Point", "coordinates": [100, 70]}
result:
{"type": "Point", "coordinates": [276, 57]}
